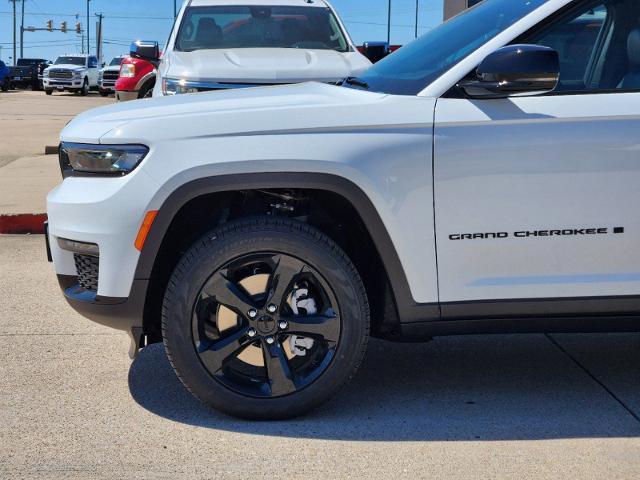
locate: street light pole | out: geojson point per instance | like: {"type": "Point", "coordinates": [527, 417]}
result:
{"type": "Point", "coordinates": [88, 28]}
{"type": "Point", "coordinates": [417, 15]}
{"type": "Point", "coordinates": [175, 9]}
{"type": "Point", "coordinates": [389, 24]}
{"type": "Point", "coordinates": [14, 31]}
{"type": "Point", "coordinates": [22, 32]}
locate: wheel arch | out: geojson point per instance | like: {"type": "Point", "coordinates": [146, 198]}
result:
{"type": "Point", "coordinates": [148, 79]}
{"type": "Point", "coordinates": [400, 308]}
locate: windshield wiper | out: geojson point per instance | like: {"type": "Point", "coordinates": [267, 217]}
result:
{"type": "Point", "coordinates": [357, 82]}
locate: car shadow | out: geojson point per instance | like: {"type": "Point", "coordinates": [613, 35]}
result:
{"type": "Point", "coordinates": [501, 387]}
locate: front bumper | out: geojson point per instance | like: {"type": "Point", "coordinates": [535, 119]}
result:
{"type": "Point", "coordinates": [106, 212]}
{"type": "Point", "coordinates": [124, 96]}
{"type": "Point", "coordinates": [120, 313]}
{"type": "Point", "coordinates": [62, 84]}
{"type": "Point", "coordinates": [108, 86]}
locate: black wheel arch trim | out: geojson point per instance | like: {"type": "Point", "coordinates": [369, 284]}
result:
{"type": "Point", "coordinates": [408, 309]}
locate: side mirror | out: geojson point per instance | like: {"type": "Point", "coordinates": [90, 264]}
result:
{"type": "Point", "coordinates": [515, 70]}
{"type": "Point", "coordinates": [145, 50]}
{"type": "Point", "coordinates": [375, 51]}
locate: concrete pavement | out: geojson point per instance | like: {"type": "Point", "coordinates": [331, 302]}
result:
{"type": "Point", "coordinates": [29, 121]}
{"type": "Point", "coordinates": [25, 182]}
{"type": "Point", "coordinates": [477, 407]}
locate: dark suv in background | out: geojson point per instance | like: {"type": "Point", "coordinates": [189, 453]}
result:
{"type": "Point", "coordinates": [28, 73]}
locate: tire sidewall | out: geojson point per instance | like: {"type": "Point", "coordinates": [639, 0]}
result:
{"type": "Point", "coordinates": [212, 253]}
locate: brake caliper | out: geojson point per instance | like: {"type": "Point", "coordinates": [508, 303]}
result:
{"type": "Point", "coordinates": [301, 304]}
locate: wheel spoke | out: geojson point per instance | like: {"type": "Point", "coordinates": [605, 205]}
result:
{"type": "Point", "coordinates": [278, 370]}
{"type": "Point", "coordinates": [282, 278]}
{"type": "Point", "coordinates": [326, 326]}
{"type": "Point", "coordinates": [229, 294]}
{"type": "Point", "coordinates": [215, 353]}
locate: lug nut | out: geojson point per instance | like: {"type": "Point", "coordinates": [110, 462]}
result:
{"type": "Point", "coordinates": [252, 332]}
{"type": "Point", "coordinates": [283, 325]}
{"type": "Point", "coordinates": [253, 313]}
{"type": "Point", "coordinates": [272, 308]}
{"type": "Point", "coordinates": [270, 340]}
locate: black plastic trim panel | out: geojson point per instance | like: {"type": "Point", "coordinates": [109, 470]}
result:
{"type": "Point", "coordinates": [119, 313]}
{"type": "Point", "coordinates": [588, 324]}
{"type": "Point", "coordinates": [543, 307]}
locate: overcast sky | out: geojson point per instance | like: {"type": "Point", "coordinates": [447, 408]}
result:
{"type": "Point", "coordinates": [126, 20]}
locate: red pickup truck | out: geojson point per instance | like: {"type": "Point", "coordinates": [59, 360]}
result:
{"type": "Point", "coordinates": [137, 79]}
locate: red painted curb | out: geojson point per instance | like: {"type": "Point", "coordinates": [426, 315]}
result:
{"type": "Point", "coordinates": [22, 223]}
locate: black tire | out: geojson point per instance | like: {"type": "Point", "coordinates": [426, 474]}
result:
{"type": "Point", "coordinates": [85, 88]}
{"type": "Point", "coordinates": [147, 90]}
{"type": "Point", "coordinates": [48, 91]}
{"type": "Point", "coordinates": [248, 238]}
{"type": "Point", "coordinates": [5, 86]}
{"type": "Point", "coordinates": [104, 93]}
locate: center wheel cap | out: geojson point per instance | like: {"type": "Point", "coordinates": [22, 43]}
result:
{"type": "Point", "coordinates": [266, 325]}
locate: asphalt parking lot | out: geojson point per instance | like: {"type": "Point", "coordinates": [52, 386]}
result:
{"type": "Point", "coordinates": [72, 404]}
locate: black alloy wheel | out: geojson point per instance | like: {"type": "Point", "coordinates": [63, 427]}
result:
{"type": "Point", "coordinates": [265, 318]}
{"type": "Point", "coordinates": [268, 321]}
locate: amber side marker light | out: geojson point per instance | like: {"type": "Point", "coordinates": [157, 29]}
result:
{"type": "Point", "coordinates": [144, 229]}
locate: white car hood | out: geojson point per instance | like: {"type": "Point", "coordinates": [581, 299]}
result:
{"type": "Point", "coordinates": [114, 68]}
{"type": "Point", "coordinates": [253, 111]}
{"type": "Point", "coordinates": [264, 65]}
{"type": "Point", "coordinates": [65, 66]}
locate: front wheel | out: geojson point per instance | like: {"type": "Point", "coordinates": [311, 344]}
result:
{"type": "Point", "coordinates": [5, 86]}
{"type": "Point", "coordinates": [48, 91]}
{"type": "Point", "coordinates": [85, 88]}
{"type": "Point", "coordinates": [265, 318]}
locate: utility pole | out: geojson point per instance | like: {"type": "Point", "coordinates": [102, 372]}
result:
{"type": "Point", "coordinates": [99, 37]}
{"type": "Point", "coordinates": [175, 9]}
{"type": "Point", "coordinates": [14, 31]}
{"type": "Point", "coordinates": [389, 24]}
{"type": "Point", "coordinates": [88, 28]}
{"type": "Point", "coordinates": [417, 15]}
{"type": "Point", "coordinates": [22, 32]}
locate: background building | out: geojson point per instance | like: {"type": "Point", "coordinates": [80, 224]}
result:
{"type": "Point", "coordinates": [453, 7]}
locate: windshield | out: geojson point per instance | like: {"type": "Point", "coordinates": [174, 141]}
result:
{"type": "Point", "coordinates": [116, 61]}
{"type": "Point", "coordinates": [27, 62]}
{"type": "Point", "coordinates": [71, 61]}
{"type": "Point", "coordinates": [409, 70]}
{"type": "Point", "coordinates": [260, 27]}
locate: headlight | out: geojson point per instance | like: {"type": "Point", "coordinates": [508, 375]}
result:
{"type": "Point", "coordinates": [128, 70]}
{"type": "Point", "coordinates": [173, 86]}
{"type": "Point", "coordinates": [45, 74]}
{"type": "Point", "coordinates": [80, 158]}
{"type": "Point", "coordinates": [76, 74]}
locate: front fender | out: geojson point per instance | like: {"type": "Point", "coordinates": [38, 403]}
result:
{"type": "Point", "coordinates": [408, 307]}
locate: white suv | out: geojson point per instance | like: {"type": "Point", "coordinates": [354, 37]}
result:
{"type": "Point", "coordinates": [220, 44]}
{"type": "Point", "coordinates": [72, 73]}
{"type": "Point", "coordinates": [482, 179]}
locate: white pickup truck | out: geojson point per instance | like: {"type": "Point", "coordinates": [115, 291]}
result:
{"type": "Point", "coordinates": [223, 44]}
{"type": "Point", "coordinates": [72, 73]}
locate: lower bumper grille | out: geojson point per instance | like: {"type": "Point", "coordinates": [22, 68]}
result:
{"type": "Point", "coordinates": [87, 269]}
